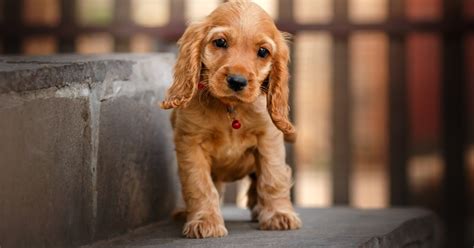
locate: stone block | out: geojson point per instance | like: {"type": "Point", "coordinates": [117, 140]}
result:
{"type": "Point", "coordinates": [85, 153]}
{"type": "Point", "coordinates": [44, 194]}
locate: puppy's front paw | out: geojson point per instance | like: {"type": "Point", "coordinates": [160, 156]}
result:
{"type": "Point", "coordinates": [204, 229]}
{"type": "Point", "coordinates": [281, 221]}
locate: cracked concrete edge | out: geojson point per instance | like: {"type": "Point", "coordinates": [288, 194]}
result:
{"type": "Point", "coordinates": [146, 78]}
{"type": "Point", "coordinates": [419, 232]}
{"type": "Point", "coordinates": [23, 74]}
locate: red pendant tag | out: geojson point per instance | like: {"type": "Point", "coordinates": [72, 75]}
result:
{"type": "Point", "coordinates": [201, 85]}
{"type": "Point", "coordinates": [236, 124]}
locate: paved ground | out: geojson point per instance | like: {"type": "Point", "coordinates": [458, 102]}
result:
{"type": "Point", "coordinates": [334, 227]}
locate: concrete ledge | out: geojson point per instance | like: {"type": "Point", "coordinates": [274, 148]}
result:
{"type": "Point", "coordinates": [19, 74]}
{"type": "Point", "coordinates": [334, 227]}
{"type": "Point", "coordinates": [85, 153]}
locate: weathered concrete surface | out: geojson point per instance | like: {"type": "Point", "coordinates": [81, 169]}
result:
{"type": "Point", "coordinates": [19, 74]}
{"type": "Point", "coordinates": [43, 144]}
{"type": "Point", "coordinates": [85, 154]}
{"type": "Point", "coordinates": [134, 180]}
{"type": "Point", "coordinates": [335, 227]}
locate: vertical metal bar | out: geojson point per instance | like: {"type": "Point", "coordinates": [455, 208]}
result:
{"type": "Point", "coordinates": [341, 11]}
{"type": "Point", "coordinates": [177, 8]}
{"type": "Point", "coordinates": [398, 123]}
{"type": "Point", "coordinates": [2, 11]}
{"type": "Point", "coordinates": [454, 140]}
{"type": "Point", "coordinates": [2, 20]}
{"type": "Point", "coordinates": [290, 148]}
{"type": "Point", "coordinates": [122, 18]}
{"type": "Point", "coordinates": [285, 16]}
{"type": "Point", "coordinates": [454, 129]}
{"type": "Point", "coordinates": [398, 113]}
{"type": "Point", "coordinates": [285, 11]}
{"type": "Point", "coordinates": [13, 17]}
{"type": "Point", "coordinates": [67, 40]}
{"type": "Point", "coordinates": [341, 112]}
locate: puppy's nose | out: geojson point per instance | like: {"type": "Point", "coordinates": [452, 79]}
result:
{"type": "Point", "coordinates": [236, 82]}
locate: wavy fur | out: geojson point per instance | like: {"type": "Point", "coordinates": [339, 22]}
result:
{"type": "Point", "coordinates": [208, 150]}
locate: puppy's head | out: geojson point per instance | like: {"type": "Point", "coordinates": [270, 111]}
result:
{"type": "Point", "coordinates": [238, 54]}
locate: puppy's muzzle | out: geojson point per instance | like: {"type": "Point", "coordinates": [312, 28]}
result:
{"type": "Point", "coordinates": [236, 82]}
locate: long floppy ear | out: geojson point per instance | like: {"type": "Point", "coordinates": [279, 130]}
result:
{"type": "Point", "coordinates": [278, 92]}
{"type": "Point", "coordinates": [187, 68]}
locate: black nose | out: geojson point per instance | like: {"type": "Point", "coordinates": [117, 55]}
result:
{"type": "Point", "coordinates": [236, 82]}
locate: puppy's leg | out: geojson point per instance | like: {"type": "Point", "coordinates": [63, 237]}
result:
{"type": "Point", "coordinates": [204, 218]}
{"type": "Point", "coordinates": [275, 211]}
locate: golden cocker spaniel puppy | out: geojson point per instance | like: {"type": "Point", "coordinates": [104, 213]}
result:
{"type": "Point", "coordinates": [230, 118]}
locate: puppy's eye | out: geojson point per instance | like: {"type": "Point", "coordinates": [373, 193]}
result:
{"type": "Point", "coordinates": [262, 52]}
{"type": "Point", "coordinates": [222, 43]}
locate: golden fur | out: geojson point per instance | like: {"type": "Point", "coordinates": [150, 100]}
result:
{"type": "Point", "coordinates": [209, 151]}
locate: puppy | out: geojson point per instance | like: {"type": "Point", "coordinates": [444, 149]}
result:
{"type": "Point", "coordinates": [230, 117]}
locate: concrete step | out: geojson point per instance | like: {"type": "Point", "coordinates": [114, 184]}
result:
{"type": "Point", "coordinates": [85, 153]}
{"type": "Point", "coordinates": [332, 227]}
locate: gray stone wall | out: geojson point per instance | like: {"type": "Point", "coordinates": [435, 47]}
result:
{"type": "Point", "coordinates": [85, 153]}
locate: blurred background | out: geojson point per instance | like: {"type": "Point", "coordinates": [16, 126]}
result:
{"type": "Point", "coordinates": [382, 90]}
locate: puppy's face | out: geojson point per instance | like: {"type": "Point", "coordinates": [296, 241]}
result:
{"type": "Point", "coordinates": [238, 52]}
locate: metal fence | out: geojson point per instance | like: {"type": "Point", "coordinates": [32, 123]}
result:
{"type": "Point", "coordinates": [452, 28]}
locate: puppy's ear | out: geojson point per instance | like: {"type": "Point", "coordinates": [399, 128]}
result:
{"type": "Point", "coordinates": [278, 93]}
{"type": "Point", "coordinates": [187, 68]}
